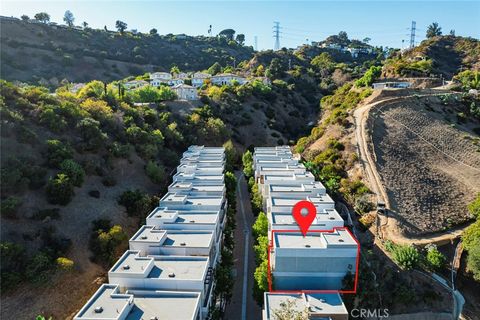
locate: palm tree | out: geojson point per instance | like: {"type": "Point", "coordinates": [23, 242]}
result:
{"type": "Point", "coordinates": [434, 30]}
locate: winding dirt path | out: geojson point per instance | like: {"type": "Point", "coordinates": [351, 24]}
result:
{"type": "Point", "coordinates": [388, 224]}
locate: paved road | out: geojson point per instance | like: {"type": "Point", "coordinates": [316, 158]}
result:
{"type": "Point", "coordinates": [242, 306]}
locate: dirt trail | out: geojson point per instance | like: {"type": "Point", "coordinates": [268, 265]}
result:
{"type": "Point", "coordinates": [389, 225]}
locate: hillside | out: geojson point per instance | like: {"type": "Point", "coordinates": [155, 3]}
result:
{"type": "Point", "coordinates": [442, 55]}
{"type": "Point", "coordinates": [34, 51]}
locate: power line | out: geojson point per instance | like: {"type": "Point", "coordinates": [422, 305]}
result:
{"type": "Point", "coordinates": [276, 35]}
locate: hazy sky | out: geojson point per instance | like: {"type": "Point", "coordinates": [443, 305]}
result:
{"type": "Point", "coordinates": [385, 22]}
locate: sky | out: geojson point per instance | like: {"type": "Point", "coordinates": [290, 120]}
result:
{"type": "Point", "coordinates": [386, 22]}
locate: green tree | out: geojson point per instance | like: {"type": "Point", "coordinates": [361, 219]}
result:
{"type": "Point", "coordinates": [288, 310]}
{"type": "Point", "coordinates": [260, 227]}
{"type": "Point", "coordinates": [215, 69]}
{"type": "Point", "coordinates": [227, 34]}
{"type": "Point", "coordinates": [93, 89]}
{"type": "Point", "coordinates": [153, 32]}
{"type": "Point", "coordinates": [275, 70]}
{"type": "Point", "coordinates": [240, 38]}
{"type": "Point", "coordinates": [91, 133]}
{"type": "Point", "coordinates": [165, 93]}
{"type": "Point", "coordinates": [435, 259]}
{"type": "Point", "coordinates": [261, 281]}
{"type": "Point", "coordinates": [231, 155]}
{"type": "Point", "coordinates": [155, 172]}
{"type": "Point", "coordinates": [473, 260]}
{"type": "Point", "coordinates": [24, 17]}
{"type": "Point", "coordinates": [323, 62]}
{"type": "Point", "coordinates": [9, 206]}
{"type": "Point", "coordinates": [57, 152]}
{"type": "Point", "coordinates": [59, 190]}
{"type": "Point", "coordinates": [174, 70]}
{"type": "Point", "coordinates": [74, 171]}
{"type": "Point", "coordinates": [42, 17]}
{"type": "Point", "coordinates": [68, 18]}
{"type": "Point", "coordinates": [121, 26]}
{"type": "Point", "coordinates": [369, 77]}
{"type": "Point", "coordinates": [64, 263]}
{"type": "Point", "coordinates": [247, 161]}
{"type": "Point", "coordinates": [434, 30]}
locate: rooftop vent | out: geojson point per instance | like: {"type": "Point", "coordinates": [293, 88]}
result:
{"type": "Point", "coordinates": [331, 218]}
{"type": "Point", "coordinates": [192, 221]}
{"type": "Point", "coordinates": [143, 237]}
{"type": "Point", "coordinates": [307, 246]}
{"type": "Point", "coordinates": [126, 267]}
{"type": "Point", "coordinates": [341, 240]}
{"type": "Point", "coordinates": [183, 244]}
{"type": "Point", "coordinates": [171, 275]}
{"type": "Point", "coordinates": [98, 310]}
{"type": "Point", "coordinates": [153, 318]}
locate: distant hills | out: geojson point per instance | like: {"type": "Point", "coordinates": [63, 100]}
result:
{"type": "Point", "coordinates": [32, 51]}
{"type": "Point", "coordinates": [445, 55]}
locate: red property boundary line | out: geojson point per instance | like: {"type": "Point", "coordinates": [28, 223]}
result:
{"type": "Point", "coordinates": [269, 271]}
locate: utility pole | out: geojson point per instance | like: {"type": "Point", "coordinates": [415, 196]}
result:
{"type": "Point", "coordinates": [289, 63]}
{"type": "Point", "coordinates": [256, 43]}
{"type": "Point", "coordinates": [412, 34]}
{"type": "Point", "coordinates": [276, 35]}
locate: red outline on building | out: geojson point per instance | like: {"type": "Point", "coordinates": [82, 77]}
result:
{"type": "Point", "coordinates": [269, 274]}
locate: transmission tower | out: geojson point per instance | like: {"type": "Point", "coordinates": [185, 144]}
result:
{"type": "Point", "coordinates": [276, 35]}
{"type": "Point", "coordinates": [412, 34]}
{"type": "Point", "coordinates": [256, 43]}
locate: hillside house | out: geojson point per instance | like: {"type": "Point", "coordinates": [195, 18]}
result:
{"type": "Point", "coordinates": [199, 79]}
{"type": "Point", "coordinates": [157, 78]}
{"type": "Point", "coordinates": [135, 84]}
{"type": "Point", "coordinates": [182, 75]}
{"type": "Point", "coordinates": [227, 78]}
{"type": "Point", "coordinates": [185, 92]}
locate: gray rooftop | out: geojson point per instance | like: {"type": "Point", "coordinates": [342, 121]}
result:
{"type": "Point", "coordinates": [317, 305]}
{"type": "Point", "coordinates": [295, 240]}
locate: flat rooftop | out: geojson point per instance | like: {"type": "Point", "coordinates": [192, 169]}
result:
{"type": "Point", "coordinates": [187, 215]}
{"type": "Point", "coordinates": [184, 268]}
{"type": "Point", "coordinates": [297, 187]}
{"type": "Point", "coordinates": [283, 218]}
{"type": "Point", "coordinates": [188, 199]}
{"type": "Point", "coordinates": [109, 303]}
{"type": "Point", "coordinates": [287, 176]}
{"type": "Point", "coordinates": [283, 201]}
{"type": "Point", "coordinates": [197, 187]}
{"type": "Point", "coordinates": [164, 305]}
{"type": "Point", "coordinates": [317, 304]}
{"type": "Point", "coordinates": [174, 238]}
{"type": "Point", "coordinates": [186, 176]}
{"type": "Point", "coordinates": [295, 240]}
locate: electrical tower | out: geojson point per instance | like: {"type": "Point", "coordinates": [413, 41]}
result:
{"type": "Point", "coordinates": [412, 34]}
{"type": "Point", "coordinates": [276, 35]}
{"type": "Point", "coordinates": [256, 43]}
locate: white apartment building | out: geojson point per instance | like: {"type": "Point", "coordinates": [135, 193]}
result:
{"type": "Point", "coordinates": [199, 79]}
{"type": "Point", "coordinates": [168, 273]}
{"type": "Point", "coordinates": [318, 261]}
{"type": "Point", "coordinates": [227, 79]}
{"type": "Point", "coordinates": [184, 91]}
{"type": "Point", "coordinates": [171, 259]}
{"type": "Point", "coordinates": [151, 240]}
{"type": "Point", "coordinates": [133, 84]}
{"type": "Point", "coordinates": [158, 78]}
{"type": "Point", "coordinates": [110, 303]}
{"type": "Point", "coordinates": [313, 306]}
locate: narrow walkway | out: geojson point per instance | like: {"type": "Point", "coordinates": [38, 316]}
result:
{"type": "Point", "coordinates": [242, 306]}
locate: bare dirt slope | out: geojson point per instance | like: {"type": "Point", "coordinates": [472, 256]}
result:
{"type": "Point", "coordinates": [429, 163]}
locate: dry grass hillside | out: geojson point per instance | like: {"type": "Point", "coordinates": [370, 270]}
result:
{"type": "Point", "coordinates": [428, 155]}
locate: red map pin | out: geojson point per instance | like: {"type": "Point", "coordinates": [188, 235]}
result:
{"type": "Point", "coordinates": [304, 221]}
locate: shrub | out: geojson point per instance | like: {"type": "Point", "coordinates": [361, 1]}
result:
{"type": "Point", "coordinates": [260, 227]}
{"type": "Point", "coordinates": [64, 263]}
{"type": "Point", "coordinates": [9, 206]}
{"type": "Point", "coordinates": [74, 171]}
{"type": "Point", "coordinates": [261, 281]}
{"type": "Point", "coordinates": [39, 268]}
{"type": "Point", "coordinates": [369, 77]}
{"type": "Point", "coordinates": [247, 160]}
{"type": "Point", "coordinates": [155, 172]}
{"type": "Point", "coordinates": [367, 220]}
{"type": "Point", "coordinates": [60, 190]}
{"type": "Point", "coordinates": [257, 201]}
{"type": "Point", "coordinates": [106, 241]}
{"type": "Point", "coordinates": [136, 202]}
{"type": "Point", "coordinates": [406, 257]}
{"type": "Point", "coordinates": [13, 259]}
{"type": "Point", "coordinates": [57, 152]}
{"type": "Point", "coordinates": [474, 207]}
{"type": "Point", "coordinates": [435, 258]}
